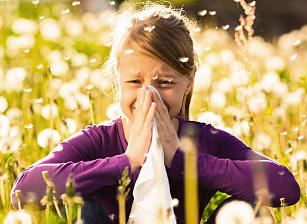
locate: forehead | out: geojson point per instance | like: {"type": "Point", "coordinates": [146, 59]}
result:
{"type": "Point", "coordinates": [134, 60]}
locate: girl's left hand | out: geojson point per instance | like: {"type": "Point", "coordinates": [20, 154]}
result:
{"type": "Point", "coordinates": [167, 132]}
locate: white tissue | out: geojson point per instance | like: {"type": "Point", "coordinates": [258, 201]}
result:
{"type": "Point", "coordinates": [152, 198]}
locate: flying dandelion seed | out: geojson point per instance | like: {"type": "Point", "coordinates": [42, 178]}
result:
{"type": "Point", "coordinates": [40, 100]}
{"type": "Point", "coordinates": [35, 2]}
{"type": "Point", "coordinates": [41, 17]}
{"type": "Point", "coordinates": [149, 28]}
{"type": "Point", "coordinates": [65, 11]}
{"type": "Point", "coordinates": [293, 57]}
{"type": "Point", "coordinates": [75, 3]}
{"type": "Point", "coordinates": [295, 129]}
{"type": "Point", "coordinates": [175, 202]}
{"type": "Point", "coordinates": [40, 66]}
{"type": "Point", "coordinates": [289, 150]}
{"type": "Point", "coordinates": [197, 30]}
{"type": "Point", "coordinates": [237, 1]}
{"type": "Point", "coordinates": [207, 48]}
{"type": "Point", "coordinates": [226, 27]}
{"type": "Point", "coordinates": [238, 28]}
{"type": "Point", "coordinates": [130, 51]}
{"type": "Point", "coordinates": [300, 137]}
{"type": "Point", "coordinates": [112, 3]}
{"type": "Point", "coordinates": [252, 4]}
{"type": "Point", "coordinates": [284, 133]}
{"type": "Point", "coordinates": [28, 126]}
{"type": "Point", "coordinates": [93, 60]}
{"type": "Point", "coordinates": [28, 90]}
{"type": "Point", "coordinates": [212, 13]}
{"type": "Point", "coordinates": [183, 59]}
{"type": "Point", "coordinates": [297, 42]}
{"type": "Point", "coordinates": [202, 13]}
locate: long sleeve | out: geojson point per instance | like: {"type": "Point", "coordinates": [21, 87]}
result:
{"type": "Point", "coordinates": [94, 157]}
{"type": "Point", "coordinates": [228, 165]}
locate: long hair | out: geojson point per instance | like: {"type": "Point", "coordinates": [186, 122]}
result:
{"type": "Point", "coordinates": [161, 31]}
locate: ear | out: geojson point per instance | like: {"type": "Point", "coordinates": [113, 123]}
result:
{"type": "Point", "coordinates": [190, 81]}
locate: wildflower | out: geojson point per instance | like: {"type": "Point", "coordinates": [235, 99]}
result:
{"type": "Point", "coordinates": [44, 137]}
{"type": "Point", "coordinates": [70, 103]}
{"type": "Point", "coordinates": [224, 85]}
{"type": "Point", "coordinates": [268, 81]}
{"type": "Point", "coordinates": [236, 212]}
{"type": "Point", "coordinates": [262, 141]}
{"type": "Point", "coordinates": [83, 101]}
{"type": "Point", "coordinates": [294, 98]}
{"type": "Point", "coordinates": [227, 56]}
{"type": "Point", "coordinates": [217, 100]}
{"type": "Point", "coordinates": [275, 63]}
{"type": "Point", "coordinates": [49, 111]}
{"type": "Point", "coordinates": [113, 110]}
{"type": "Point", "coordinates": [59, 68]}
{"type": "Point", "coordinates": [239, 76]}
{"type": "Point", "coordinates": [15, 116]}
{"type": "Point", "coordinates": [79, 60]}
{"type": "Point", "coordinates": [14, 79]}
{"type": "Point", "coordinates": [257, 104]}
{"type": "Point", "coordinates": [213, 59]}
{"type": "Point", "coordinates": [3, 104]}
{"type": "Point", "coordinates": [21, 217]}
{"type": "Point", "coordinates": [212, 118]}
{"type": "Point", "coordinates": [70, 125]}
{"type": "Point", "coordinates": [50, 30]}
{"type": "Point", "coordinates": [22, 26]}
{"type": "Point", "coordinates": [203, 77]}
{"type": "Point", "coordinates": [74, 28]}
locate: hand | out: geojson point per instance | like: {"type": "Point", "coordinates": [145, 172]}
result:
{"type": "Point", "coordinates": [141, 132]}
{"type": "Point", "coordinates": [167, 132]}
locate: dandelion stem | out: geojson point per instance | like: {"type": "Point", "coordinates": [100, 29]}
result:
{"type": "Point", "coordinates": [282, 203]}
{"type": "Point", "coordinates": [17, 194]}
{"type": "Point", "coordinates": [2, 192]}
{"type": "Point", "coordinates": [190, 179]}
{"type": "Point", "coordinates": [79, 213]}
{"type": "Point", "coordinates": [57, 207]}
{"type": "Point", "coordinates": [47, 213]}
{"type": "Point", "coordinates": [70, 210]}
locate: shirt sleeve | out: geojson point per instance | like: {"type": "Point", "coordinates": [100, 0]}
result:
{"type": "Point", "coordinates": [228, 165]}
{"type": "Point", "coordinates": [77, 155]}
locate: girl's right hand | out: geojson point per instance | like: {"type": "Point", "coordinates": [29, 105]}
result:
{"type": "Point", "coordinates": [141, 132]}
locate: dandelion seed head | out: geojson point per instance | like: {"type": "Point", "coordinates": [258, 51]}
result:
{"type": "Point", "coordinates": [21, 217]}
{"type": "Point", "coordinates": [113, 110]}
{"type": "Point", "coordinates": [210, 117]}
{"type": "Point", "coordinates": [235, 212]}
{"type": "Point", "coordinates": [49, 111]}
{"type": "Point", "coordinates": [71, 126]}
{"type": "Point", "coordinates": [4, 126]}
{"type": "Point", "coordinates": [74, 28]}
{"type": "Point", "coordinates": [3, 104]}
{"type": "Point", "coordinates": [183, 59]}
{"type": "Point", "coordinates": [50, 30]}
{"type": "Point", "coordinates": [202, 13]}
{"type": "Point", "coordinates": [59, 68]}
{"type": "Point", "coordinates": [47, 135]}
{"type": "Point", "coordinates": [217, 100]}
{"type": "Point", "coordinates": [15, 116]}
{"type": "Point", "coordinates": [79, 60]}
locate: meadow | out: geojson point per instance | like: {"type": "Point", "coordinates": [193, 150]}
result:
{"type": "Point", "coordinates": [52, 84]}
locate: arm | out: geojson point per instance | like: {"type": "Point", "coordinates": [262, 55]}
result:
{"type": "Point", "coordinates": [226, 164]}
{"type": "Point", "coordinates": [80, 155]}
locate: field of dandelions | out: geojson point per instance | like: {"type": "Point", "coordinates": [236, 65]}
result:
{"type": "Point", "coordinates": [52, 84]}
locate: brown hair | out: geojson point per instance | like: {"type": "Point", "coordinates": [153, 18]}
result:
{"type": "Point", "coordinates": [161, 31]}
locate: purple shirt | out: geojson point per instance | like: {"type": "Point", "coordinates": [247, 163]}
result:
{"type": "Point", "coordinates": [95, 156]}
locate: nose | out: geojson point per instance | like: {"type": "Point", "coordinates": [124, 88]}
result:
{"type": "Point", "coordinates": [151, 82]}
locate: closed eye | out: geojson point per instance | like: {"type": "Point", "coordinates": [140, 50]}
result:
{"type": "Point", "coordinates": [165, 83]}
{"type": "Point", "coordinates": [136, 81]}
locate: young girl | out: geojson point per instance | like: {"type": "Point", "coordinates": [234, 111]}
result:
{"type": "Point", "coordinates": [153, 46]}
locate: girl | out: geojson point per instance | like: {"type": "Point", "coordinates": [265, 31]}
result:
{"type": "Point", "coordinates": [153, 46]}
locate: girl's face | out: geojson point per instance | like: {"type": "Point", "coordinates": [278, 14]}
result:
{"type": "Point", "coordinates": [136, 69]}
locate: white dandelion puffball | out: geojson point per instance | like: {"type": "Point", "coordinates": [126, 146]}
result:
{"type": "Point", "coordinates": [203, 77]}
{"type": "Point", "coordinates": [4, 126]}
{"type": "Point", "coordinates": [294, 98]}
{"type": "Point", "coordinates": [227, 56]}
{"type": "Point", "coordinates": [217, 100]}
{"type": "Point", "coordinates": [49, 111]}
{"type": "Point", "coordinates": [59, 68]}
{"type": "Point", "coordinates": [83, 101]}
{"type": "Point", "coordinates": [45, 136]}
{"type": "Point", "coordinates": [257, 104]}
{"type": "Point", "coordinates": [70, 103]}
{"type": "Point", "coordinates": [224, 85]}
{"type": "Point", "coordinates": [212, 118]}
{"type": "Point", "coordinates": [262, 141]}
{"type": "Point", "coordinates": [21, 217]}
{"type": "Point", "coordinates": [70, 126]}
{"type": "Point", "coordinates": [50, 30]}
{"type": "Point", "coordinates": [14, 79]}
{"type": "Point", "coordinates": [239, 77]}
{"type": "Point", "coordinates": [22, 25]}
{"type": "Point", "coordinates": [269, 81]}
{"type": "Point", "coordinates": [3, 104]}
{"type": "Point", "coordinates": [236, 212]}
{"type": "Point", "coordinates": [213, 59]}
{"type": "Point", "coordinates": [79, 59]}
{"type": "Point", "coordinates": [280, 89]}
{"type": "Point", "coordinates": [74, 28]}
{"type": "Point", "coordinates": [275, 63]}
{"type": "Point", "coordinates": [15, 115]}
{"type": "Point", "coordinates": [114, 110]}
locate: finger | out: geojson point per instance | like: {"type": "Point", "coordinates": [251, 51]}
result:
{"type": "Point", "coordinates": [150, 116]}
{"type": "Point", "coordinates": [160, 104]}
